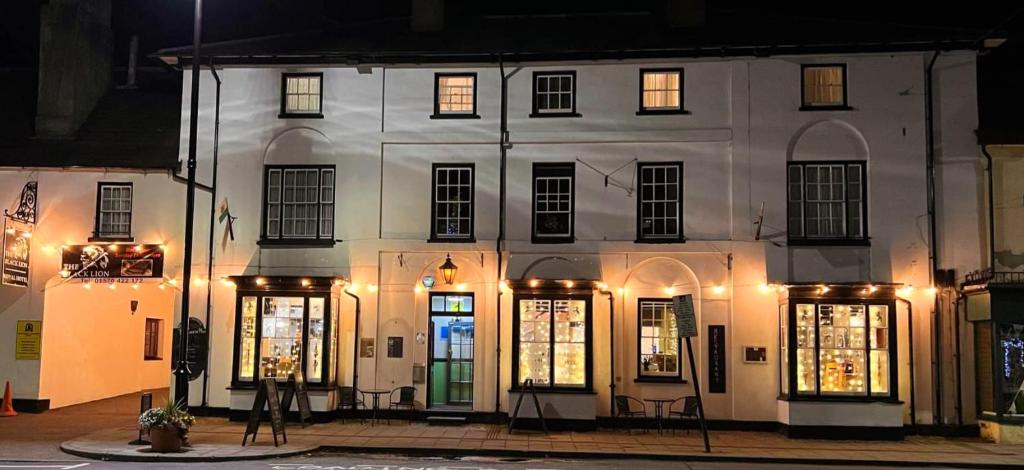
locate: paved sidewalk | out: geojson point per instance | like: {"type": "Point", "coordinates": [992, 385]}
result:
{"type": "Point", "coordinates": [218, 439]}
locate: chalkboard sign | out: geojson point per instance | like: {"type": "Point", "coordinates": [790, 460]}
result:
{"type": "Point", "coordinates": [266, 397]}
{"type": "Point", "coordinates": [296, 388]}
{"type": "Point", "coordinates": [686, 321]}
{"type": "Point", "coordinates": [716, 359]}
{"type": "Point", "coordinates": [198, 347]}
{"type": "Point", "coordinates": [395, 346]}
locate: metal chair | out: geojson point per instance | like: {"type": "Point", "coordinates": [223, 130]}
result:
{"type": "Point", "coordinates": [624, 408]}
{"type": "Point", "coordinates": [406, 400]}
{"type": "Point", "coordinates": [689, 412]}
{"type": "Point", "coordinates": [348, 400]}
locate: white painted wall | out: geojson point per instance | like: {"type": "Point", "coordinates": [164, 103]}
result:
{"type": "Point", "coordinates": [743, 128]}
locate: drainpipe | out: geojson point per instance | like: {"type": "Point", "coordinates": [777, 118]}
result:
{"type": "Point", "coordinates": [498, 245]}
{"type": "Point", "coordinates": [913, 393]}
{"type": "Point", "coordinates": [209, 259]}
{"type": "Point", "coordinates": [355, 341]}
{"type": "Point", "coordinates": [991, 210]}
{"type": "Point", "coordinates": [611, 349]}
{"type": "Point", "coordinates": [959, 378]}
{"type": "Point", "coordinates": [932, 238]}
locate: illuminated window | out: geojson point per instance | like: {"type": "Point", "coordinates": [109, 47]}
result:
{"type": "Point", "coordinates": [826, 201]}
{"type": "Point", "coordinates": [152, 350]}
{"type": "Point", "coordinates": [824, 87]}
{"type": "Point", "coordinates": [840, 349]}
{"type": "Point", "coordinates": [661, 91]}
{"type": "Point", "coordinates": [554, 94]}
{"type": "Point", "coordinates": [301, 95]}
{"type": "Point", "coordinates": [299, 203]}
{"type": "Point", "coordinates": [453, 202]}
{"type": "Point", "coordinates": [659, 340]}
{"type": "Point", "coordinates": [114, 210]}
{"type": "Point", "coordinates": [455, 95]}
{"type": "Point", "coordinates": [552, 342]}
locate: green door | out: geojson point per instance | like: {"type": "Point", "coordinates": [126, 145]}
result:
{"type": "Point", "coordinates": [452, 335]}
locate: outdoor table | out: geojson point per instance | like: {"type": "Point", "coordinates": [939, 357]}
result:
{"type": "Point", "coordinates": [376, 393]}
{"type": "Point", "coordinates": [659, 409]}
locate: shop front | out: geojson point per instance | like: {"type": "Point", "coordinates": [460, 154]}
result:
{"type": "Point", "coordinates": [994, 305]}
{"type": "Point", "coordinates": [838, 371]}
{"type": "Point", "coordinates": [285, 326]}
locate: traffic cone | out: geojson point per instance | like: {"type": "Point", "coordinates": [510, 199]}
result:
{"type": "Point", "coordinates": [8, 406]}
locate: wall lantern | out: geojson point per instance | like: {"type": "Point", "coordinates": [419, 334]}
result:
{"type": "Point", "coordinates": [448, 270]}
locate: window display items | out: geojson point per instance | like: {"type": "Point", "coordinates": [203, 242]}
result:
{"type": "Point", "coordinates": [281, 343]}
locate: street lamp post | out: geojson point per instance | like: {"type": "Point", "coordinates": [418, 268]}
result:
{"type": "Point", "coordinates": [182, 374]}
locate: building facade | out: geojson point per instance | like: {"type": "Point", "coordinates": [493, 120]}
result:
{"type": "Point", "coordinates": [787, 195]}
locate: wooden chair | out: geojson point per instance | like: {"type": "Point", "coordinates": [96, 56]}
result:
{"type": "Point", "coordinates": [689, 411]}
{"type": "Point", "coordinates": [625, 407]}
{"type": "Point", "coordinates": [348, 400]}
{"type": "Point", "coordinates": [406, 400]}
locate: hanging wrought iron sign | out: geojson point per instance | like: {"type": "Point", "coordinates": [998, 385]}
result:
{"type": "Point", "coordinates": [26, 211]}
{"type": "Point", "coordinates": [115, 262]}
{"type": "Point", "coordinates": [17, 246]}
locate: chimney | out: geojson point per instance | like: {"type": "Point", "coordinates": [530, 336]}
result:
{"type": "Point", "coordinates": [75, 53]}
{"type": "Point", "coordinates": [427, 15]}
{"type": "Point", "coordinates": [686, 13]}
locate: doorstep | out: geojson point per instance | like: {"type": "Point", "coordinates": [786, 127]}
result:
{"type": "Point", "coordinates": [217, 439]}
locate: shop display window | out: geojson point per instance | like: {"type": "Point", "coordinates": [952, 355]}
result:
{"type": "Point", "coordinates": [1011, 345]}
{"type": "Point", "coordinates": [659, 339]}
{"type": "Point", "coordinates": [283, 334]}
{"type": "Point", "coordinates": [552, 342]}
{"type": "Point", "coordinates": [838, 349]}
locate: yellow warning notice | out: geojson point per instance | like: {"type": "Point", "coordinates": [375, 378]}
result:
{"type": "Point", "coordinates": [29, 340]}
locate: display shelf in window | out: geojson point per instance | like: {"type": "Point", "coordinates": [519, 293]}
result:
{"type": "Point", "coordinates": [552, 342]}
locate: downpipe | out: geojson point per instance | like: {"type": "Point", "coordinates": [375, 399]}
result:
{"type": "Point", "coordinates": [933, 252]}
{"type": "Point", "coordinates": [355, 340]}
{"type": "Point", "coordinates": [913, 391]}
{"type": "Point", "coordinates": [209, 259]}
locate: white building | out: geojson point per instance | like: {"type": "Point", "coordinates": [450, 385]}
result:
{"type": "Point", "coordinates": [785, 189]}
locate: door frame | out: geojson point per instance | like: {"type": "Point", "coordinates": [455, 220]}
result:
{"type": "Point", "coordinates": [430, 341]}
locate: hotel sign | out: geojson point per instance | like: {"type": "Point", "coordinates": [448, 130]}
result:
{"type": "Point", "coordinates": [112, 261]}
{"type": "Point", "coordinates": [17, 245]}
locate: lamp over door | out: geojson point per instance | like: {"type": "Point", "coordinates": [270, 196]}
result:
{"type": "Point", "coordinates": [448, 270]}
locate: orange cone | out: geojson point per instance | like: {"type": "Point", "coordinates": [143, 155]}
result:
{"type": "Point", "coordinates": [8, 406]}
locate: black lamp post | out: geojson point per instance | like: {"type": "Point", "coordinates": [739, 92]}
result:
{"type": "Point", "coordinates": [182, 374]}
{"type": "Point", "coordinates": [448, 270]}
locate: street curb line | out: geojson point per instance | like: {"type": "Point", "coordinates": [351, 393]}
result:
{"type": "Point", "coordinates": [182, 458]}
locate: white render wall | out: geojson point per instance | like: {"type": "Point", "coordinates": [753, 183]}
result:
{"type": "Point", "coordinates": [743, 128]}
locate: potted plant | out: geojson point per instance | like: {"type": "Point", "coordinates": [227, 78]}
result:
{"type": "Point", "coordinates": [167, 427]}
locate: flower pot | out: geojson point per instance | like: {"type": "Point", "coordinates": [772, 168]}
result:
{"type": "Point", "coordinates": [164, 439]}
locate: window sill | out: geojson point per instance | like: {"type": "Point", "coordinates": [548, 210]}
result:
{"type": "Point", "coordinates": [300, 116]}
{"type": "Point", "coordinates": [826, 108]}
{"type": "Point", "coordinates": [451, 240]}
{"type": "Point", "coordinates": [556, 115]}
{"type": "Point", "coordinates": [552, 241]}
{"type": "Point", "coordinates": [659, 241]}
{"type": "Point", "coordinates": [280, 385]}
{"type": "Point", "coordinates": [269, 243]}
{"type": "Point", "coordinates": [557, 391]}
{"type": "Point", "coordinates": [829, 242]}
{"type": "Point", "coordinates": [841, 399]}
{"type": "Point", "coordinates": [455, 116]}
{"type": "Point", "coordinates": [660, 380]}
{"type": "Point", "coordinates": [101, 239]}
{"type": "Point", "coordinates": [660, 112]}
{"type": "Point", "coordinates": [151, 358]}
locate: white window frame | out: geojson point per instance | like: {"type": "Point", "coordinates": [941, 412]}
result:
{"type": "Point", "coordinates": [466, 173]}
{"type": "Point", "coordinates": [542, 94]}
{"type": "Point", "coordinates": [314, 206]}
{"type": "Point", "coordinates": [655, 307]}
{"type": "Point", "coordinates": [110, 219]}
{"type": "Point", "coordinates": [295, 88]}
{"type": "Point", "coordinates": [831, 204]}
{"type": "Point", "coordinates": [665, 92]}
{"type": "Point", "coordinates": [652, 186]}
{"type": "Point", "coordinates": [544, 175]}
{"type": "Point", "coordinates": [444, 96]}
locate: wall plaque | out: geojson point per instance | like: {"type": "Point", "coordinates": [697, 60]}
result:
{"type": "Point", "coordinates": [395, 346]}
{"type": "Point", "coordinates": [716, 359]}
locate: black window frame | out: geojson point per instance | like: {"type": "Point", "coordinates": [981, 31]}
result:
{"type": "Point", "coordinates": [802, 239]}
{"type": "Point", "coordinates": [281, 240]}
{"type": "Point", "coordinates": [640, 237]}
{"type": "Point", "coordinates": [804, 106]}
{"type": "Point", "coordinates": [536, 112]}
{"type": "Point", "coordinates": [587, 298]}
{"type": "Point", "coordinates": [553, 169]}
{"type": "Point", "coordinates": [438, 114]}
{"type": "Point", "coordinates": [152, 340]}
{"type": "Point", "coordinates": [893, 350]}
{"type": "Point", "coordinates": [275, 291]}
{"type": "Point", "coordinates": [640, 377]}
{"type": "Point", "coordinates": [97, 234]}
{"type": "Point", "coordinates": [643, 111]}
{"type": "Point", "coordinates": [284, 113]}
{"type": "Point", "coordinates": [434, 235]}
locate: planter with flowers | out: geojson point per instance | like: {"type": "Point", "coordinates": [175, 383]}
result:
{"type": "Point", "coordinates": [167, 426]}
